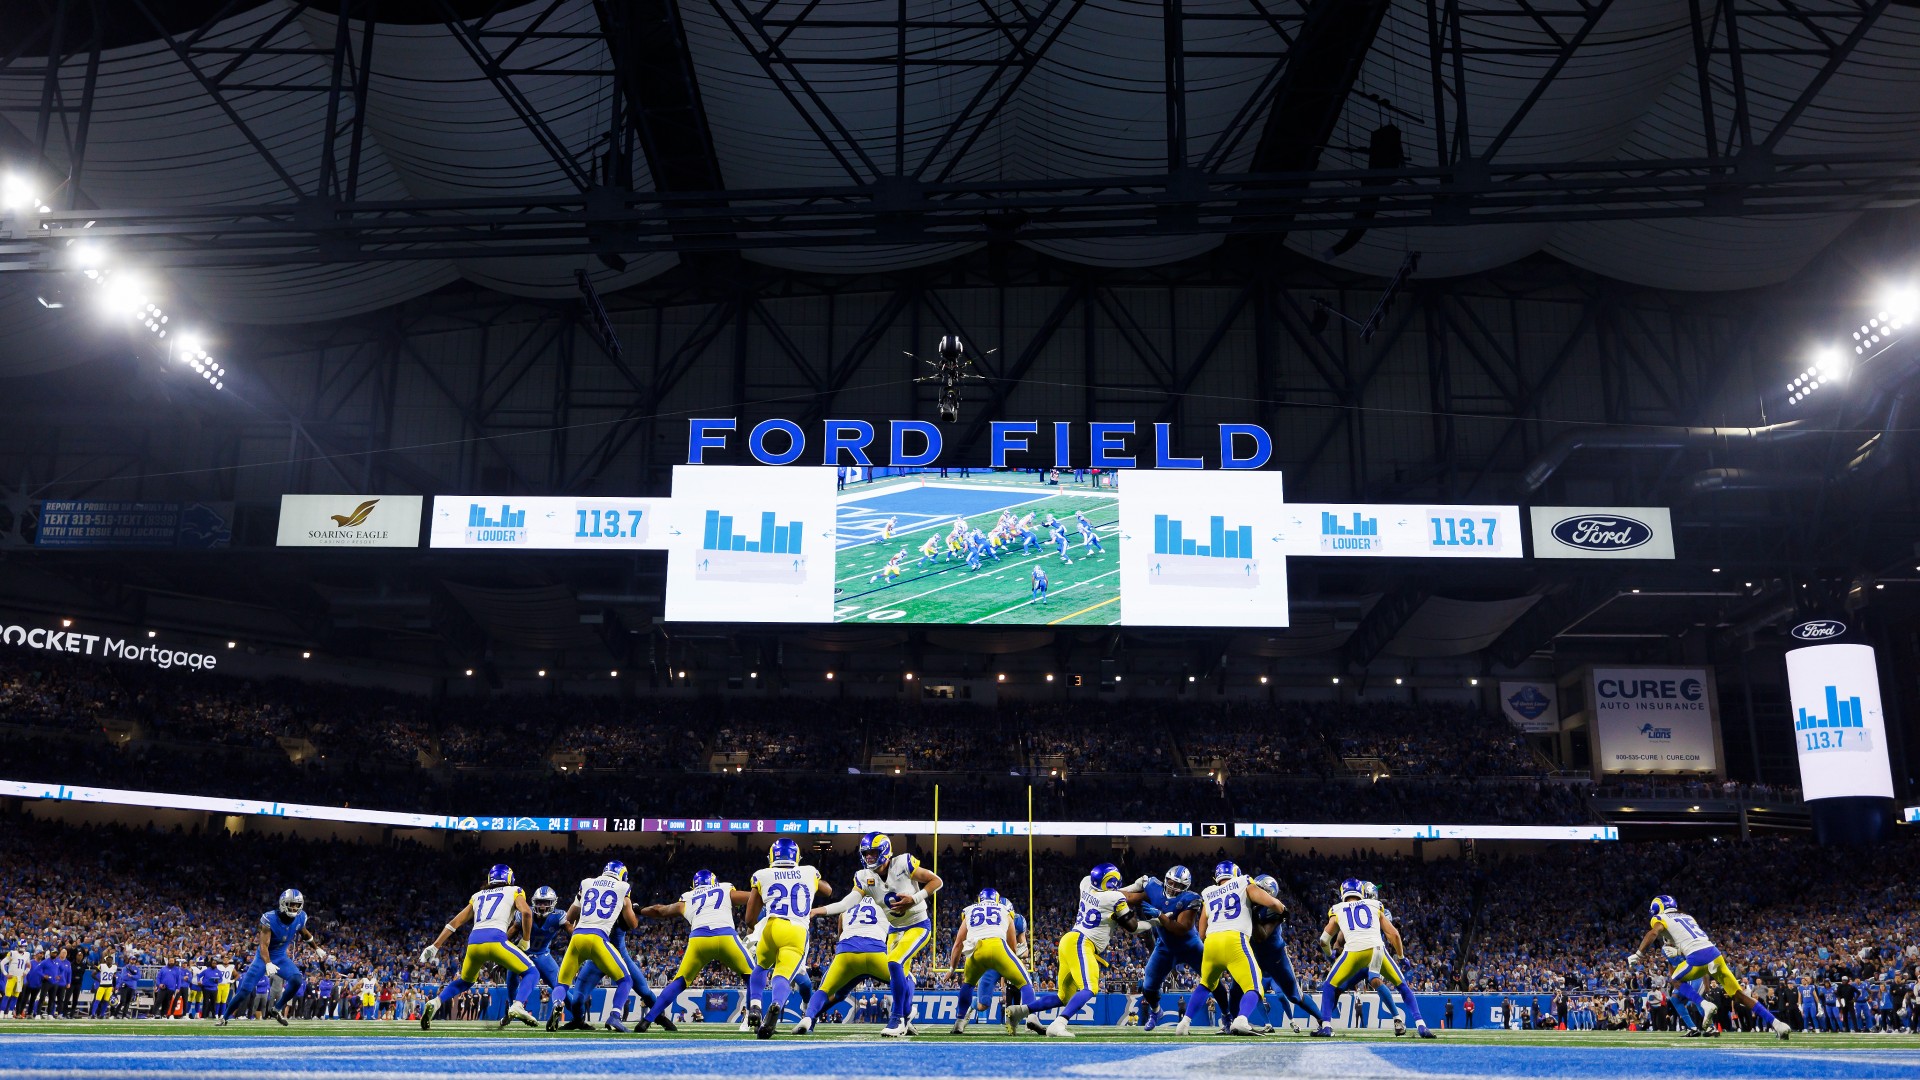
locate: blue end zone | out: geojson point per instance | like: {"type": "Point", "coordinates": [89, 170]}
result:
{"type": "Point", "coordinates": [918, 508]}
{"type": "Point", "coordinates": [368, 1057]}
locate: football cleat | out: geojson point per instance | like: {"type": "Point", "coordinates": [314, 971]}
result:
{"type": "Point", "coordinates": [273, 1014]}
{"type": "Point", "coordinates": [553, 1020]}
{"type": "Point", "coordinates": [959, 1026]}
{"type": "Point", "coordinates": [895, 1030]}
{"type": "Point", "coordinates": [614, 1023]}
{"type": "Point", "coordinates": [1324, 1031]}
{"type": "Point", "coordinates": [517, 1011]}
{"type": "Point", "coordinates": [804, 1026]}
{"type": "Point", "coordinates": [769, 1021]}
{"type": "Point", "coordinates": [1782, 1029]}
{"type": "Point", "coordinates": [1425, 1032]}
{"type": "Point", "coordinates": [1241, 1026]}
{"type": "Point", "coordinates": [1692, 1033]}
{"type": "Point", "coordinates": [1058, 1029]}
{"type": "Point", "coordinates": [1184, 1027]}
{"type": "Point", "coordinates": [427, 1014]}
{"type": "Point", "coordinates": [666, 1023]}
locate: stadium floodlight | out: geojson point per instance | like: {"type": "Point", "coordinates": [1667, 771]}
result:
{"type": "Point", "coordinates": [829, 676]}
{"type": "Point", "coordinates": [909, 676]}
{"type": "Point", "coordinates": [1899, 305]}
{"type": "Point", "coordinates": [1473, 682]}
{"type": "Point", "coordinates": [153, 633]}
{"type": "Point", "coordinates": [614, 674]}
{"type": "Point", "coordinates": [304, 655]}
{"type": "Point", "coordinates": [232, 644]}
{"type": "Point", "coordinates": [469, 673]}
{"type": "Point", "coordinates": [1336, 680]}
{"type": "Point", "coordinates": [1397, 680]}
{"type": "Point", "coordinates": [543, 673]}
{"type": "Point", "coordinates": [1049, 676]}
{"type": "Point", "coordinates": [17, 193]}
{"type": "Point", "coordinates": [1002, 677]}
{"type": "Point", "coordinates": [1263, 680]}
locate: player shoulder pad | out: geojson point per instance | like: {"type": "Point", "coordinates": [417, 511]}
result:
{"type": "Point", "coordinates": [913, 863]}
{"type": "Point", "coordinates": [1657, 923]}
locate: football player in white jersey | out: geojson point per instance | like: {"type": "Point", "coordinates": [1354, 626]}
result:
{"type": "Point", "coordinates": [1703, 959]}
{"type": "Point", "coordinates": [1103, 905]}
{"type": "Point", "coordinates": [1368, 941]}
{"type": "Point", "coordinates": [786, 889]}
{"type": "Point", "coordinates": [986, 942]}
{"type": "Point", "coordinates": [492, 910]}
{"type": "Point", "coordinates": [861, 953]}
{"type": "Point", "coordinates": [603, 902]}
{"type": "Point", "coordinates": [711, 938]}
{"type": "Point", "coordinates": [902, 887]}
{"type": "Point", "coordinates": [1226, 932]}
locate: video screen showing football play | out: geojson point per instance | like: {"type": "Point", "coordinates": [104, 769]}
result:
{"type": "Point", "coordinates": [691, 538]}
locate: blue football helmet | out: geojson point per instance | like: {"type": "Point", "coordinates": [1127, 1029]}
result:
{"type": "Point", "coordinates": [545, 900]}
{"type": "Point", "coordinates": [1350, 889]}
{"type": "Point", "coordinates": [1224, 870]}
{"type": "Point", "coordinates": [1661, 905]}
{"type": "Point", "coordinates": [988, 896]}
{"type": "Point", "coordinates": [1265, 881]}
{"type": "Point", "coordinates": [1369, 891]}
{"type": "Point", "coordinates": [616, 870]}
{"type": "Point", "coordinates": [875, 849]}
{"type": "Point", "coordinates": [1179, 879]}
{"type": "Point", "coordinates": [500, 874]}
{"type": "Point", "coordinates": [291, 902]}
{"type": "Point", "coordinates": [785, 852]}
{"type": "Point", "coordinates": [1105, 876]}
{"type": "Point", "coordinates": [702, 878]}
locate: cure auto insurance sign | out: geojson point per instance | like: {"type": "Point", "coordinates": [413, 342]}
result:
{"type": "Point", "coordinates": [1602, 532]}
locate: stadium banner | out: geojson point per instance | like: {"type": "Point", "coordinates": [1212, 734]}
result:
{"type": "Point", "coordinates": [903, 827]}
{"type": "Point", "coordinates": [726, 1005]}
{"type": "Point", "coordinates": [751, 545]}
{"type": "Point", "coordinates": [105, 646]}
{"type": "Point", "coordinates": [1602, 532]}
{"type": "Point", "coordinates": [161, 800]}
{"type": "Point", "coordinates": [96, 523]}
{"type": "Point", "coordinates": [548, 523]}
{"type": "Point", "coordinates": [1654, 720]}
{"type": "Point", "coordinates": [1411, 530]}
{"type": "Point", "coordinates": [1327, 831]}
{"type": "Point", "coordinates": [1532, 707]}
{"type": "Point", "coordinates": [350, 521]}
{"type": "Point", "coordinates": [1193, 549]}
{"type": "Point", "coordinates": [1840, 731]}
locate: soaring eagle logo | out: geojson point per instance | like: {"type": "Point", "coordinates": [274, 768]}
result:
{"type": "Point", "coordinates": [358, 517]}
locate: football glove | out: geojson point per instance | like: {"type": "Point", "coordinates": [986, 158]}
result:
{"type": "Point", "coordinates": [1633, 959]}
{"type": "Point", "coordinates": [523, 944]}
{"type": "Point", "coordinates": [320, 954]}
{"type": "Point", "coordinates": [429, 954]}
{"type": "Point", "coordinates": [273, 969]}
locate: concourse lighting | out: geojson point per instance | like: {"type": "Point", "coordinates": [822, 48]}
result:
{"type": "Point", "coordinates": [306, 656]}
{"type": "Point", "coordinates": [233, 644]}
{"type": "Point", "coordinates": [1049, 676]}
{"type": "Point", "coordinates": [614, 674]}
{"type": "Point", "coordinates": [1263, 680]}
{"type": "Point", "coordinates": [1002, 677]}
{"type": "Point", "coordinates": [469, 673]}
{"type": "Point", "coordinates": [1397, 680]}
{"type": "Point", "coordinates": [829, 676]}
{"type": "Point", "coordinates": [909, 676]}
{"type": "Point", "coordinates": [64, 623]}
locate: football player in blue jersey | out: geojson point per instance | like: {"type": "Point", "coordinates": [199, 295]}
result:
{"type": "Point", "coordinates": [1176, 941]}
{"type": "Point", "coordinates": [285, 925]}
{"type": "Point", "coordinates": [548, 920]}
{"type": "Point", "coordinates": [1270, 949]}
{"type": "Point", "coordinates": [1089, 542]}
{"type": "Point", "coordinates": [1038, 593]}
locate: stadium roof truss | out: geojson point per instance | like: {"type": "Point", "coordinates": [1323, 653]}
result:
{"type": "Point", "coordinates": [913, 124]}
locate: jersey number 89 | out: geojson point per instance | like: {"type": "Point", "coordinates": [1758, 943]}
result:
{"type": "Point", "coordinates": [599, 903]}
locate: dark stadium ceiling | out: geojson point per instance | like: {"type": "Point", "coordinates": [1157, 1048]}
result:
{"type": "Point", "coordinates": [306, 165]}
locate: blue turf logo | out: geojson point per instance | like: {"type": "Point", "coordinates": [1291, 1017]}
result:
{"type": "Point", "coordinates": [1652, 732]}
{"type": "Point", "coordinates": [1602, 532]}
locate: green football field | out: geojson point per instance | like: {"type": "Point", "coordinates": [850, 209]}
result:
{"type": "Point", "coordinates": [1083, 592]}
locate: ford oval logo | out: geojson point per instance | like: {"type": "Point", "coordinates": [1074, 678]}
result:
{"type": "Point", "coordinates": [1602, 532]}
{"type": "Point", "coordinates": [1819, 630]}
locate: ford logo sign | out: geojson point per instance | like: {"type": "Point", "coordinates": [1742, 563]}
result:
{"type": "Point", "coordinates": [1602, 532]}
{"type": "Point", "coordinates": [1819, 630]}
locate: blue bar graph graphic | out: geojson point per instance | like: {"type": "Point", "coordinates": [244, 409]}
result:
{"type": "Point", "coordinates": [1222, 542]}
{"type": "Point", "coordinates": [509, 518]}
{"type": "Point", "coordinates": [1840, 714]}
{"type": "Point", "coordinates": [1362, 526]}
{"type": "Point", "coordinates": [773, 538]}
